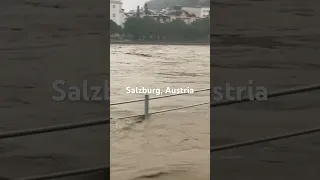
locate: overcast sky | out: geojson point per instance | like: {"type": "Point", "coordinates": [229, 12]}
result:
{"type": "Point", "coordinates": [132, 4]}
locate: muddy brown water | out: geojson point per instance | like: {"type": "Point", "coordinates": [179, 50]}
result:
{"type": "Point", "coordinates": [41, 43]}
{"type": "Point", "coordinates": [276, 44]}
{"type": "Point", "coordinates": [172, 145]}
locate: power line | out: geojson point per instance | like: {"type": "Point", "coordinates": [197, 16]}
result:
{"type": "Point", "coordinates": [83, 124]}
{"type": "Point", "coordinates": [68, 173]}
{"type": "Point", "coordinates": [265, 139]}
{"type": "Point", "coordinates": [159, 97]}
{"type": "Point", "coordinates": [271, 95]}
{"type": "Point", "coordinates": [269, 138]}
{"type": "Point", "coordinates": [47, 129]}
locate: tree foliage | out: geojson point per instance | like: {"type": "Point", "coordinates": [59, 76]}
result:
{"type": "Point", "coordinates": [115, 28]}
{"type": "Point", "coordinates": [147, 28]}
{"type": "Point", "coordinates": [161, 4]}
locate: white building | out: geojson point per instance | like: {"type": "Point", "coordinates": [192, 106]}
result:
{"type": "Point", "coordinates": [116, 12]}
{"type": "Point", "coordinates": [200, 12]}
{"type": "Point", "coordinates": [183, 15]}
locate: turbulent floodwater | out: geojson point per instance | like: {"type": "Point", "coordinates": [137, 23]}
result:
{"type": "Point", "coordinates": [275, 43]}
{"type": "Point", "coordinates": [173, 145]}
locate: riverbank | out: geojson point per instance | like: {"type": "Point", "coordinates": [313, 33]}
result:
{"type": "Point", "coordinates": [184, 43]}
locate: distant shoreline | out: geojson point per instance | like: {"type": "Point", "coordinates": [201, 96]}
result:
{"type": "Point", "coordinates": [200, 43]}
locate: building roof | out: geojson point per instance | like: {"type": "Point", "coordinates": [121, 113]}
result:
{"type": "Point", "coordinates": [115, 2]}
{"type": "Point", "coordinates": [199, 7]}
{"type": "Point", "coordinates": [160, 15]}
{"type": "Point", "coordinates": [179, 13]}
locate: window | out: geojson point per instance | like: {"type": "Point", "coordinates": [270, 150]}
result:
{"type": "Point", "coordinates": [114, 6]}
{"type": "Point", "coordinates": [114, 15]}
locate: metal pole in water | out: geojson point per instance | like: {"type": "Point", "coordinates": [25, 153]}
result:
{"type": "Point", "coordinates": [146, 106]}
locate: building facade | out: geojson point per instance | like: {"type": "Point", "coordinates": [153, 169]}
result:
{"type": "Point", "coordinates": [183, 15]}
{"type": "Point", "coordinates": [205, 12]}
{"type": "Point", "coordinates": [116, 12]}
{"type": "Point", "coordinates": [200, 12]}
{"type": "Point", "coordinates": [161, 18]}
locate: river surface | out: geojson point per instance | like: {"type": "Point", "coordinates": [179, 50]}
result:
{"type": "Point", "coordinates": [172, 145]}
{"type": "Point", "coordinates": [275, 43]}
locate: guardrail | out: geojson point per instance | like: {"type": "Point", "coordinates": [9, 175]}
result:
{"type": "Point", "coordinates": [147, 99]}
{"type": "Point", "coordinates": [85, 124]}
{"type": "Point", "coordinates": [90, 123]}
{"type": "Point", "coordinates": [286, 92]}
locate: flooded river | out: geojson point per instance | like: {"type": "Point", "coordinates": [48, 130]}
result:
{"type": "Point", "coordinates": [172, 145]}
{"type": "Point", "coordinates": [275, 44]}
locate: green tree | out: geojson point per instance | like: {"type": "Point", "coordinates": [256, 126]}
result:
{"type": "Point", "coordinates": [115, 28]}
{"type": "Point", "coordinates": [202, 27]}
{"type": "Point", "coordinates": [141, 28]}
{"type": "Point", "coordinates": [138, 12]}
{"type": "Point", "coordinates": [176, 30]}
{"type": "Point", "coordinates": [132, 28]}
{"type": "Point", "coordinates": [147, 28]}
{"type": "Point", "coordinates": [161, 4]}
